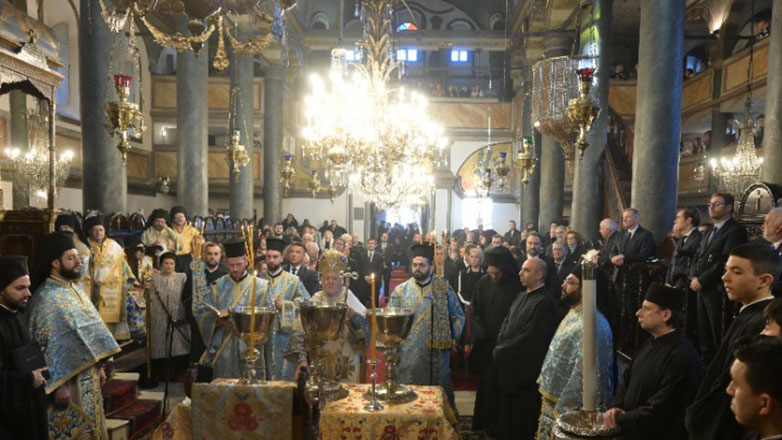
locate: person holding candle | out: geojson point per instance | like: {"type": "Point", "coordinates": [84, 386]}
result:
{"type": "Point", "coordinates": [561, 378]}
{"type": "Point", "coordinates": [343, 354]}
{"type": "Point", "coordinates": [424, 356]}
{"type": "Point", "coordinates": [225, 351]}
{"type": "Point", "coordinates": [284, 355]}
{"type": "Point", "coordinates": [664, 375]}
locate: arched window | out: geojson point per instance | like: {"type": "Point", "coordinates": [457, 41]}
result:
{"type": "Point", "coordinates": [319, 20]}
{"type": "Point", "coordinates": [497, 21]}
{"type": "Point", "coordinates": [407, 26]}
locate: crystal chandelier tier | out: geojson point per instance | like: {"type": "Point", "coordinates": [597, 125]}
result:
{"type": "Point", "coordinates": [32, 167]}
{"type": "Point", "coordinates": [735, 174]}
{"type": "Point", "coordinates": [369, 135]}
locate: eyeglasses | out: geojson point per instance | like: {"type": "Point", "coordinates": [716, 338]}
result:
{"type": "Point", "coordinates": [715, 204]}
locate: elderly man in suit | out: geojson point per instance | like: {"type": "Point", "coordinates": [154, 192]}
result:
{"type": "Point", "coordinates": [708, 267]}
{"type": "Point", "coordinates": [632, 247]}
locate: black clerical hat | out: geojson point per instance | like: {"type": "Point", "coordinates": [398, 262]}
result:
{"type": "Point", "coordinates": [12, 267]}
{"type": "Point", "coordinates": [133, 241]}
{"type": "Point", "coordinates": [52, 246]}
{"type": "Point", "coordinates": [156, 214]}
{"type": "Point", "coordinates": [501, 258]}
{"type": "Point", "coordinates": [422, 250]}
{"type": "Point", "coordinates": [235, 248]}
{"type": "Point", "coordinates": [666, 297]}
{"type": "Point", "coordinates": [275, 244]}
{"type": "Point", "coordinates": [65, 220]}
{"type": "Point", "coordinates": [176, 210]}
{"type": "Point", "coordinates": [91, 222]}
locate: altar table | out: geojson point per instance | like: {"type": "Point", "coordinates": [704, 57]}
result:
{"type": "Point", "coordinates": [427, 417]}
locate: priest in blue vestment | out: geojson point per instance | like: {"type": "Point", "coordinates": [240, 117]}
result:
{"type": "Point", "coordinates": [285, 352]}
{"type": "Point", "coordinates": [561, 378]}
{"type": "Point", "coordinates": [225, 352]}
{"type": "Point", "coordinates": [73, 338]}
{"type": "Point", "coordinates": [424, 356]}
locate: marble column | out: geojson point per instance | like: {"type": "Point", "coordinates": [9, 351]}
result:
{"type": "Point", "coordinates": [192, 81]}
{"type": "Point", "coordinates": [18, 134]}
{"type": "Point", "coordinates": [552, 159]}
{"type": "Point", "coordinates": [530, 203]}
{"type": "Point", "coordinates": [104, 175]}
{"type": "Point", "coordinates": [658, 115]}
{"type": "Point", "coordinates": [772, 133]}
{"type": "Point", "coordinates": [552, 182]}
{"type": "Point", "coordinates": [587, 206]}
{"type": "Point", "coordinates": [272, 144]}
{"type": "Point", "coordinates": [241, 189]}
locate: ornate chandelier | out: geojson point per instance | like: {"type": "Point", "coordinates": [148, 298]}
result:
{"type": "Point", "coordinates": [32, 167]}
{"type": "Point", "coordinates": [361, 128]}
{"type": "Point", "coordinates": [236, 153]}
{"type": "Point", "coordinates": [525, 158]}
{"type": "Point", "coordinates": [736, 173]}
{"type": "Point", "coordinates": [125, 118]}
{"type": "Point", "coordinates": [204, 17]}
{"type": "Point", "coordinates": [287, 173]}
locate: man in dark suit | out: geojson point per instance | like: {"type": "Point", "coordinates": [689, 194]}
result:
{"type": "Point", "coordinates": [295, 256]}
{"type": "Point", "coordinates": [632, 247]}
{"type": "Point", "coordinates": [513, 236]}
{"type": "Point", "coordinates": [607, 238]}
{"type": "Point", "coordinates": [371, 262]}
{"type": "Point", "coordinates": [772, 232]}
{"type": "Point", "coordinates": [685, 226]}
{"type": "Point", "coordinates": [563, 264]}
{"type": "Point", "coordinates": [708, 267]}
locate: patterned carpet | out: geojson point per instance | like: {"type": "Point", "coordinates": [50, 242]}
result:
{"type": "Point", "coordinates": [465, 423]}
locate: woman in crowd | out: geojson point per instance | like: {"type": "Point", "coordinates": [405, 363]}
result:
{"type": "Point", "coordinates": [169, 331]}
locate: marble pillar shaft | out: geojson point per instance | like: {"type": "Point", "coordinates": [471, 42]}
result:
{"type": "Point", "coordinates": [19, 139]}
{"type": "Point", "coordinates": [772, 133]}
{"type": "Point", "coordinates": [587, 206]}
{"type": "Point", "coordinates": [658, 115]}
{"type": "Point", "coordinates": [192, 77]}
{"type": "Point", "coordinates": [104, 175]}
{"type": "Point", "coordinates": [552, 182]}
{"type": "Point", "coordinates": [241, 188]}
{"type": "Point", "coordinates": [272, 145]}
{"type": "Point", "coordinates": [530, 205]}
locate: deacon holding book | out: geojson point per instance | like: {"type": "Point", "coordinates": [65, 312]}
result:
{"type": "Point", "coordinates": [224, 351]}
{"type": "Point", "coordinates": [23, 402]}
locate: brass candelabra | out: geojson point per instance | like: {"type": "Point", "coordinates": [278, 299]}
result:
{"type": "Point", "coordinates": [125, 118]}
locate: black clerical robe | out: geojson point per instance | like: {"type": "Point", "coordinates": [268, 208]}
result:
{"type": "Point", "coordinates": [490, 305]}
{"type": "Point", "coordinates": [518, 356]}
{"type": "Point", "coordinates": [709, 416]}
{"type": "Point", "coordinates": [22, 407]}
{"type": "Point", "coordinates": [658, 386]}
{"type": "Point", "coordinates": [469, 280]}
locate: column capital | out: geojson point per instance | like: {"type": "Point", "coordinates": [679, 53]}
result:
{"type": "Point", "coordinates": [273, 71]}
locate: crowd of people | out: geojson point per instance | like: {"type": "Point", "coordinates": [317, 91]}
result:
{"type": "Point", "coordinates": [512, 300]}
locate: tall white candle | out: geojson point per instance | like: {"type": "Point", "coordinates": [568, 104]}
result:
{"type": "Point", "coordinates": [589, 295]}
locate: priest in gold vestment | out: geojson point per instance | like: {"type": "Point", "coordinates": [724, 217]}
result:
{"type": "Point", "coordinates": [343, 354]}
{"type": "Point", "coordinates": [110, 278]}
